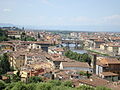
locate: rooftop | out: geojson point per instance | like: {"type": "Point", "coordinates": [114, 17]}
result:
{"type": "Point", "coordinates": [75, 64]}
{"type": "Point", "coordinates": [107, 61]}
{"type": "Point", "coordinates": [94, 81]}
{"type": "Point", "coordinates": [109, 74]}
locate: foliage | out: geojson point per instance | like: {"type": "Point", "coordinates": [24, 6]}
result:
{"type": "Point", "coordinates": [4, 64]}
{"type": "Point", "coordinates": [63, 88]}
{"type": "Point", "coordinates": [88, 74]}
{"type": "Point", "coordinates": [31, 86]}
{"type": "Point", "coordinates": [3, 35]}
{"type": "Point", "coordinates": [102, 88]}
{"type": "Point", "coordinates": [82, 73]}
{"type": "Point", "coordinates": [19, 86]}
{"type": "Point", "coordinates": [14, 78]}
{"type": "Point", "coordinates": [50, 85]}
{"type": "Point", "coordinates": [98, 53]}
{"type": "Point", "coordinates": [39, 35]}
{"type": "Point", "coordinates": [2, 85]}
{"type": "Point", "coordinates": [34, 79]}
{"type": "Point", "coordinates": [85, 87]}
{"type": "Point", "coordinates": [10, 86]}
{"type": "Point", "coordinates": [23, 33]}
{"type": "Point", "coordinates": [44, 86]}
{"type": "Point", "coordinates": [78, 57]}
{"type": "Point", "coordinates": [85, 73]}
{"type": "Point", "coordinates": [67, 83]}
{"type": "Point", "coordinates": [28, 38]}
{"type": "Point", "coordinates": [55, 82]}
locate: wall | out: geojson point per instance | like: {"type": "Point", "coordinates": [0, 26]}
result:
{"type": "Point", "coordinates": [110, 49]}
{"type": "Point", "coordinates": [99, 69]}
{"type": "Point", "coordinates": [102, 47]}
{"type": "Point", "coordinates": [76, 68]}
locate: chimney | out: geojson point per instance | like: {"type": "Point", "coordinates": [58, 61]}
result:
{"type": "Point", "coordinates": [94, 63]}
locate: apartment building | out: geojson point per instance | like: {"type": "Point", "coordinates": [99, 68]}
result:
{"type": "Point", "coordinates": [108, 68]}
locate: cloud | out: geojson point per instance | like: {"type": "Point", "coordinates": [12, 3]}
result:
{"type": "Point", "coordinates": [107, 20]}
{"type": "Point", "coordinates": [112, 20]}
{"type": "Point", "coordinates": [112, 17]}
{"type": "Point", "coordinates": [7, 10]}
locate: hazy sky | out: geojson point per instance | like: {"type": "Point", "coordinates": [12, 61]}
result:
{"type": "Point", "coordinates": [60, 12]}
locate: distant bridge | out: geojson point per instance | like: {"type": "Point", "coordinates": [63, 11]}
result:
{"type": "Point", "coordinates": [76, 42]}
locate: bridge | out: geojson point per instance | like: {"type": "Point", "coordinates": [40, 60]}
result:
{"type": "Point", "coordinates": [71, 41]}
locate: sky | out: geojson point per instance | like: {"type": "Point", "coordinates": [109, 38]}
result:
{"type": "Point", "coordinates": [62, 14]}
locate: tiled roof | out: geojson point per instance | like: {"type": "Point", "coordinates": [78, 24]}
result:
{"type": "Point", "coordinates": [109, 74]}
{"type": "Point", "coordinates": [109, 61]}
{"type": "Point", "coordinates": [75, 64]}
{"type": "Point", "coordinates": [94, 81]}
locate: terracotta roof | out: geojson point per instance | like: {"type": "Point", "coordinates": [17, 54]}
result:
{"type": "Point", "coordinates": [94, 81]}
{"type": "Point", "coordinates": [109, 61]}
{"type": "Point", "coordinates": [101, 64]}
{"type": "Point", "coordinates": [59, 49]}
{"type": "Point", "coordinates": [109, 74]}
{"type": "Point", "coordinates": [75, 64]}
{"type": "Point", "coordinates": [6, 44]}
{"type": "Point", "coordinates": [5, 77]}
{"type": "Point", "coordinates": [99, 40]}
{"type": "Point", "coordinates": [30, 42]}
{"type": "Point", "coordinates": [113, 86]}
{"type": "Point", "coordinates": [115, 38]}
{"type": "Point", "coordinates": [13, 41]}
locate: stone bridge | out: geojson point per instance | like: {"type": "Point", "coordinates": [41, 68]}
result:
{"type": "Point", "coordinates": [76, 42]}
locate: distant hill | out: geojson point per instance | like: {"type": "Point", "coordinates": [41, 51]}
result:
{"type": "Point", "coordinates": [6, 25]}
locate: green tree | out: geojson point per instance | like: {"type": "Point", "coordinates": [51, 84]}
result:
{"type": "Point", "coordinates": [10, 86]}
{"type": "Point", "coordinates": [55, 82]}
{"type": "Point", "coordinates": [3, 35]}
{"type": "Point", "coordinates": [28, 38]}
{"type": "Point", "coordinates": [67, 83]}
{"type": "Point", "coordinates": [34, 79]}
{"type": "Point", "coordinates": [2, 85]}
{"type": "Point", "coordinates": [62, 88]}
{"type": "Point", "coordinates": [102, 88]}
{"type": "Point", "coordinates": [78, 57]}
{"type": "Point", "coordinates": [88, 74]}
{"type": "Point", "coordinates": [39, 35]}
{"type": "Point", "coordinates": [5, 65]}
{"type": "Point", "coordinates": [19, 86]}
{"type": "Point", "coordinates": [23, 33]}
{"type": "Point", "coordinates": [44, 86]}
{"type": "Point", "coordinates": [1, 69]}
{"type": "Point", "coordinates": [31, 86]}
{"type": "Point", "coordinates": [14, 78]}
{"type": "Point", "coordinates": [85, 87]}
{"type": "Point", "coordinates": [82, 73]}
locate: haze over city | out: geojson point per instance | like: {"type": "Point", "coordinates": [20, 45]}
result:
{"type": "Point", "coordinates": [80, 15]}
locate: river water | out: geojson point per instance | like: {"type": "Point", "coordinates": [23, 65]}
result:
{"type": "Point", "coordinates": [75, 50]}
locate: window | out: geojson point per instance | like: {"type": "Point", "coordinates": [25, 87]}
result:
{"type": "Point", "coordinates": [37, 46]}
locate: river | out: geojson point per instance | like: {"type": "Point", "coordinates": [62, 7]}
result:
{"type": "Point", "coordinates": [75, 50]}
